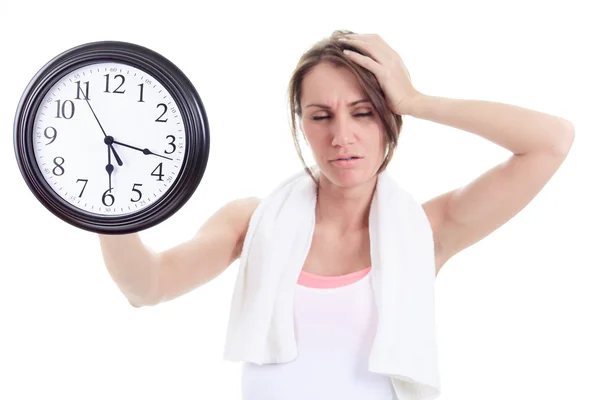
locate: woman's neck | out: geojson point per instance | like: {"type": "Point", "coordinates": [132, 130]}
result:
{"type": "Point", "coordinates": [345, 210]}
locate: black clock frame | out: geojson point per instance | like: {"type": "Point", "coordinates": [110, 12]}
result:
{"type": "Point", "coordinates": [193, 116]}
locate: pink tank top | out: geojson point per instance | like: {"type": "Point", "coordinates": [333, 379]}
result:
{"type": "Point", "coordinates": [327, 282]}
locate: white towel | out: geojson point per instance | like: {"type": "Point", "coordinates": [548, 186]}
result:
{"type": "Point", "coordinates": [261, 325]}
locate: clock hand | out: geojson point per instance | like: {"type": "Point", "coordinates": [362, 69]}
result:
{"type": "Point", "coordinates": [109, 141]}
{"type": "Point", "coordinates": [109, 168]}
{"type": "Point", "coordinates": [105, 135]}
{"type": "Point", "coordinates": [145, 151]}
{"type": "Point", "coordinates": [119, 161]}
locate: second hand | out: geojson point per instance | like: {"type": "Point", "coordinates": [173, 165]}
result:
{"type": "Point", "coordinates": [119, 161]}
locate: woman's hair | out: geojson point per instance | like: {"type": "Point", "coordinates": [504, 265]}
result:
{"type": "Point", "coordinates": [331, 50]}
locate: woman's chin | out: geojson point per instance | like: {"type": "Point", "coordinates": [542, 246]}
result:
{"type": "Point", "coordinates": [347, 178]}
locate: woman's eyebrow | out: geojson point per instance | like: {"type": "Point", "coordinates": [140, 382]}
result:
{"type": "Point", "coordinates": [349, 104]}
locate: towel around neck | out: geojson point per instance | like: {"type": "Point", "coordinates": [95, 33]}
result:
{"type": "Point", "coordinates": [261, 326]}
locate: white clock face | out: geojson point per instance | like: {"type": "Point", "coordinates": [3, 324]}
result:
{"type": "Point", "coordinates": [129, 134]}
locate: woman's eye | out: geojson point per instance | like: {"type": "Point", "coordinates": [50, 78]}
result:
{"type": "Point", "coordinates": [360, 115]}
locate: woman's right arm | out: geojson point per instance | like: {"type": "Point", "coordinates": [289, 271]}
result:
{"type": "Point", "coordinates": [147, 278]}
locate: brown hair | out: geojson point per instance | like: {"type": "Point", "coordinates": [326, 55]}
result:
{"type": "Point", "coordinates": [331, 50]}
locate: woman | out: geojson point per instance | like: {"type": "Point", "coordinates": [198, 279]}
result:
{"type": "Point", "coordinates": [349, 93]}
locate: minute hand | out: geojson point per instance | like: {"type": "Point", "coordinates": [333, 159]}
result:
{"type": "Point", "coordinates": [145, 151]}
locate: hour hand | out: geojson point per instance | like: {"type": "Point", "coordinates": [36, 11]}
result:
{"type": "Point", "coordinates": [119, 161]}
{"type": "Point", "coordinates": [145, 151]}
{"type": "Point", "coordinates": [109, 142]}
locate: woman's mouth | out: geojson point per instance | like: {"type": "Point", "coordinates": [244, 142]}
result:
{"type": "Point", "coordinates": [346, 162]}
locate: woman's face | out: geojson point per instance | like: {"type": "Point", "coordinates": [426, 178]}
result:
{"type": "Point", "coordinates": [342, 128]}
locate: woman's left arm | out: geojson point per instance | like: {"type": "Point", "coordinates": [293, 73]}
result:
{"type": "Point", "coordinates": [539, 143]}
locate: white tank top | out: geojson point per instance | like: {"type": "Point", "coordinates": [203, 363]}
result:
{"type": "Point", "coordinates": [334, 330]}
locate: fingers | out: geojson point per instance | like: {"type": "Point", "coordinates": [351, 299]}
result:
{"type": "Point", "coordinates": [370, 40]}
{"type": "Point", "coordinates": [372, 46]}
{"type": "Point", "coordinates": [364, 36]}
{"type": "Point", "coordinates": [364, 61]}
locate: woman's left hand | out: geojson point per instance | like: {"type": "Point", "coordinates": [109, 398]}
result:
{"type": "Point", "coordinates": [387, 66]}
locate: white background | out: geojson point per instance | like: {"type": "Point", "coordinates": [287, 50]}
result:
{"type": "Point", "coordinates": [517, 314]}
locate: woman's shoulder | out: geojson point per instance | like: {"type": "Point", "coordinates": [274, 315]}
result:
{"type": "Point", "coordinates": [240, 211]}
{"type": "Point", "coordinates": [244, 206]}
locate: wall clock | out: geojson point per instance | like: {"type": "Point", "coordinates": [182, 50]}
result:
{"type": "Point", "coordinates": [111, 137]}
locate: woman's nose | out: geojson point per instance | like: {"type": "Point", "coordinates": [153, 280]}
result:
{"type": "Point", "coordinates": [341, 131]}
